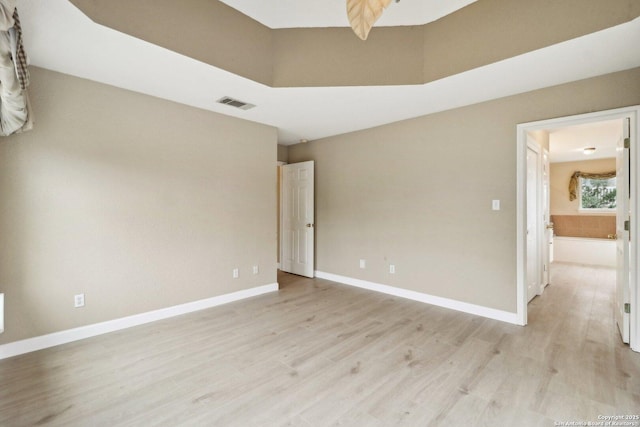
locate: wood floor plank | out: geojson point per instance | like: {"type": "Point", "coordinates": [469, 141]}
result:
{"type": "Point", "coordinates": [318, 353]}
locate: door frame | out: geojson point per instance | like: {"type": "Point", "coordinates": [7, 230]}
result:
{"type": "Point", "coordinates": [633, 113]}
{"type": "Point", "coordinates": [547, 233]}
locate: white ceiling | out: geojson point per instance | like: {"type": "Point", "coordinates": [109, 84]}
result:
{"type": "Point", "coordinates": [567, 144]}
{"type": "Point", "coordinates": [333, 13]}
{"type": "Point", "coordinates": [60, 38]}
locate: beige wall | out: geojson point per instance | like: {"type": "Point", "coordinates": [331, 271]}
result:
{"type": "Point", "coordinates": [541, 137]}
{"type": "Point", "coordinates": [206, 30]}
{"type": "Point", "coordinates": [418, 193]}
{"type": "Point", "coordinates": [488, 31]}
{"type": "Point", "coordinates": [336, 57]}
{"type": "Point", "coordinates": [567, 219]}
{"type": "Point", "coordinates": [283, 153]}
{"type": "Point", "coordinates": [137, 202]}
{"type": "Point", "coordinates": [479, 34]}
{"type": "Point", "coordinates": [559, 181]}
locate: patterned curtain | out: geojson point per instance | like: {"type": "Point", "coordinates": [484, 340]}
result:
{"type": "Point", "coordinates": [15, 115]}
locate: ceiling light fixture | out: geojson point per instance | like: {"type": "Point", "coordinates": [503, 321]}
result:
{"type": "Point", "coordinates": [363, 14]}
{"type": "Point", "coordinates": [589, 150]}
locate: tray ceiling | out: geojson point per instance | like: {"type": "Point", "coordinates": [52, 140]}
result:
{"type": "Point", "coordinates": [59, 37]}
{"type": "Point", "coordinates": [332, 13]}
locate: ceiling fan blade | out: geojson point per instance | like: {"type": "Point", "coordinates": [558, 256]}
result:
{"type": "Point", "coordinates": [363, 14]}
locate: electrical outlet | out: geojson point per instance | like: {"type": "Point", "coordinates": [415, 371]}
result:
{"type": "Point", "coordinates": [78, 300]}
{"type": "Point", "coordinates": [363, 263]}
{"type": "Point", "coordinates": [236, 273]}
{"type": "Point", "coordinates": [256, 270]}
{"type": "Point", "coordinates": [392, 269]}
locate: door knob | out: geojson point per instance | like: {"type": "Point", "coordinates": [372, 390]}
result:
{"type": "Point", "coordinates": [309, 225]}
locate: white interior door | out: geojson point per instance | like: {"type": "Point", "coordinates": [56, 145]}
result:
{"type": "Point", "coordinates": [622, 234]}
{"type": "Point", "coordinates": [533, 264]}
{"type": "Point", "coordinates": [547, 230]}
{"type": "Point", "coordinates": [298, 219]}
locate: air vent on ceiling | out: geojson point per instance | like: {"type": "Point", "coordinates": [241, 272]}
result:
{"type": "Point", "coordinates": [226, 100]}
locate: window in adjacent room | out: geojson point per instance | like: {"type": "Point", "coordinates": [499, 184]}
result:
{"type": "Point", "coordinates": [597, 193]}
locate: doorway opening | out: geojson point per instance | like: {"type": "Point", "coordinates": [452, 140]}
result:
{"type": "Point", "coordinates": [577, 205]}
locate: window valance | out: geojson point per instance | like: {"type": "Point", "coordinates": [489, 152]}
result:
{"type": "Point", "coordinates": [573, 182]}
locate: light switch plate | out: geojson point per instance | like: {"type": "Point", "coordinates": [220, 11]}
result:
{"type": "Point", "coordinates": [495, 205]}
{"type": "Point", "coordinates": [78, 300]}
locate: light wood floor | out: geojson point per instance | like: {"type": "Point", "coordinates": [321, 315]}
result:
{"type": "Point", "coordinates": [318, 353]}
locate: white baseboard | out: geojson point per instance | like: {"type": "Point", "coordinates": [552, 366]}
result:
{"type": "Point", "coordinates": [63, 337]}
{"type": "Point", "coordinates": [478, 310]}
